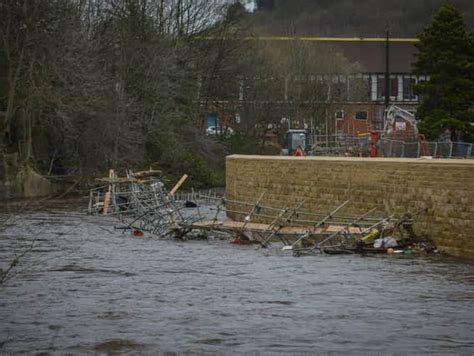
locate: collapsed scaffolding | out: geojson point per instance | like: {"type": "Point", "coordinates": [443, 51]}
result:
{"type": "Point", "coordinates": [142, 205]}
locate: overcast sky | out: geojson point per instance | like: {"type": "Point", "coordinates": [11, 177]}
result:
{"type": "Point", "coordinates": [249, 4]}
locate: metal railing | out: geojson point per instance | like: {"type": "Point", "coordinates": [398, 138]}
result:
{"type": "Point", "coordinates": [339, 145]}
{"type": "Point", "coordinates": [394, 148]}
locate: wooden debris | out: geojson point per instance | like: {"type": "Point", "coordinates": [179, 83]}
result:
{"type": "Point", "coordinates": [146, 174]}
{"type": "Point", "coordinates": [109, 193]}
{"type": "Point", "coordinates": [178, 185]}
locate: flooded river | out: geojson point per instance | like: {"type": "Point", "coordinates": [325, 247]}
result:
{"type": "Point", "coordinates": [87, 288]}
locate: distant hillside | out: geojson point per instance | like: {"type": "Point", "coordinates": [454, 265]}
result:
{"type": "Point", "coordinates": [365, 18]}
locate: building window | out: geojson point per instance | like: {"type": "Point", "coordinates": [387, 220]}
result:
{"type": "Point", "coordinates": [381, 87]}
{"type": "Point", "coordinates": [339, 114]}
{"type": "Point", "coordinates": [409, 88]}
{"type": "Point", "coordinates": [361, 115]}
{"type": "Point", "coordinates": [393, 86]}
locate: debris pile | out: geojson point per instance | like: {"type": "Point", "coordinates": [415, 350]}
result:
{"type": "Point", "coordinates": [142, 204]}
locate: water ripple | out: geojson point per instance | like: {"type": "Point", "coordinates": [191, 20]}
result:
{"type": "Point", "coordinates": [88, 290]}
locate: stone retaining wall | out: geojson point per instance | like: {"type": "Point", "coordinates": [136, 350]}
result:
{"type": "Point", "coordinates": [21, 181]}
{"type": "Point", "coordinates": [444, 187]}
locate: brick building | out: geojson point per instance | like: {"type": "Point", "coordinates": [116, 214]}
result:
{"type": "Point", "coordinates": [360, 103]}
{"type": "Point", "coordinates": [371, 54]}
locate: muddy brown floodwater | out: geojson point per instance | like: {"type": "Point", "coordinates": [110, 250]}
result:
{"type": "Point", "coordinates": [88, 288]}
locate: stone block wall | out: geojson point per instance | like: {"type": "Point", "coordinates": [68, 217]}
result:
{"type": "Point", "coordinates": [444, 187]}
{"type": "Point", "coordinates": [22, 181]}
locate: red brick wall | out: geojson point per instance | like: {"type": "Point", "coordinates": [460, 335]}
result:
{"type": "Point", "coordinates": [351, 126]}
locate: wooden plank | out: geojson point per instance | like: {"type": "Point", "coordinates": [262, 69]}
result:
{"type": "Point", "coordinates": [290, 230]}
{"type": "Point", "coordinates": [108, 194]}
{"type": "Point", "coordinates": [117, 180]}
{"type": "Point", "coordinates": [105, 210]}
{"type": "Point", "coordinates": [178, 185]}
{"type": "Point", "coordinates": [149, 173]}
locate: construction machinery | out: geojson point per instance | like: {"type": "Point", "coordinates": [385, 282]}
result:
{"type": "Point", "coordinates": [400, 129]}
{"type": "Point", "coordinates": [400, 124]}
{"type": "Point", "coordinates": [297, 142]}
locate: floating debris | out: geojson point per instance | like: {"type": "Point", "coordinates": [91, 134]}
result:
{"type": "Point", "coordinates": [142, 204]}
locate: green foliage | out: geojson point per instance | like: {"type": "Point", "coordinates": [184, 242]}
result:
{"type": "Point", "coordinates": [240, 143]}
{"type": "Point", "coordinates": [175, 161]}
{"type": "Point", "coordinates": [203, 173]}
{"type": "Point", "coordinates": [179, 151]}
{"type": "Point", "coordinates": [446, 54]}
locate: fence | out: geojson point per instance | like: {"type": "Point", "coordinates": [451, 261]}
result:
{"type": "Point", "coordinates": [394, 148]}
{"type": "Point", "coordinates": [339, 145]}
{"type": "Point", "coordinates": [206, 196]}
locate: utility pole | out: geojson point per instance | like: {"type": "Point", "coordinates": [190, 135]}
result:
{"type": "Point", "coordinates": [387, 69]}
{"type": "Point", "coordinates": [387, 75]}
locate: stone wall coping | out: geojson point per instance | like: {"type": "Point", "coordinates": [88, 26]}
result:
{"type": "Point", "coordinates": [436, 161]}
